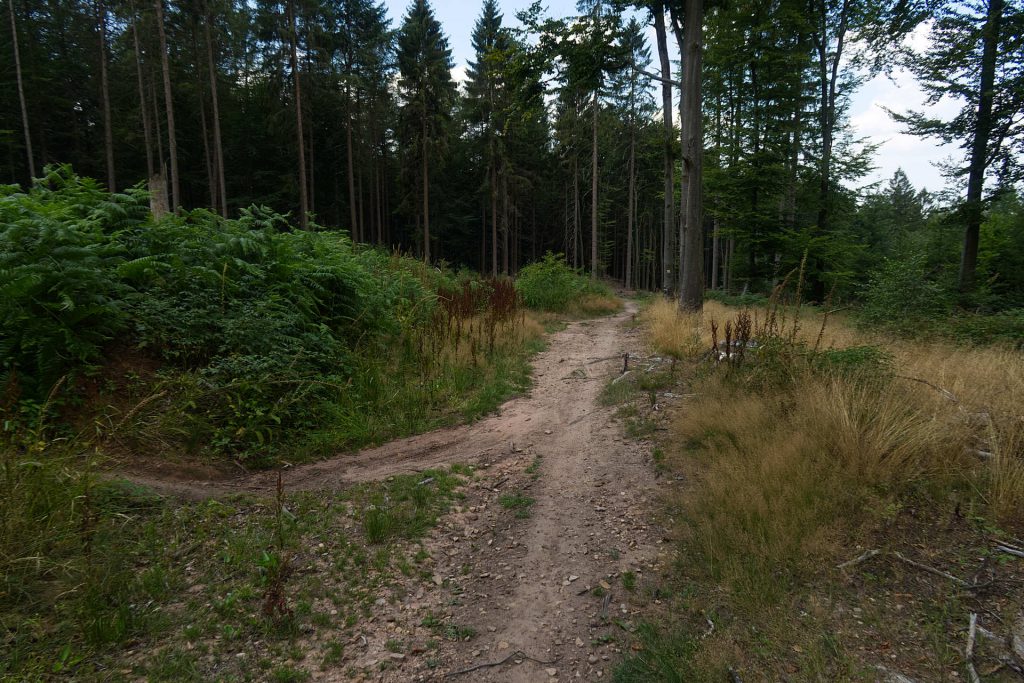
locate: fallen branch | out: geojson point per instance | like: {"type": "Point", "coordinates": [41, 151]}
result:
{"type": "Point", "coordinates": [971, 631]}
{"type": "Point", "coordinates": [1010, 551]}
{"type": "Point", "coordinates": [857, 560]}
{"type": "Point", "coordinates": [485, 665]}
{"type": "Point", "coordinates": [913, 563]}
{"type": "Point", "coordinates": [932, 570]}
{"type": "Point", "coordinates": [945, 392]}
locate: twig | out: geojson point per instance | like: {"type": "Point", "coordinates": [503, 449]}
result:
{"type": "Point", "coordinates": [933, 570]}
{"type": "Point", "coordinates": [972, 675]}
{"type": "Point", "coordinates": [1010, 551]}
{"type": "Point", "coordinates": [913, 563]}
{"type": "Point", "coordinates": [945, 392]}
{"type": "Point", "coordinates": [616, 380]}
{"type": "Point", "coordinates": [857, 560]}
{"type": "Point", "coordinates": [971, 631]}
{"type": "Point", "coordinates": [520, 653]}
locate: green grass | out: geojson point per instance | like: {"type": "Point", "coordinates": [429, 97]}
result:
{"type": "Point", "coordinates": [216, 562]}
{"type": "Point", "coordinates": [518, 502]}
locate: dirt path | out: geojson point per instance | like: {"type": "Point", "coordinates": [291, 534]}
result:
{"type": "Point", "coordinates": [557, 583]}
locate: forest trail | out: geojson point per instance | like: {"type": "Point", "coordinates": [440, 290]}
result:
{"type": "Point", "coordinates": [551, 582]}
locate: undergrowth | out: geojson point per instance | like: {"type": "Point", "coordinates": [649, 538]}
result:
{"type": "Point", "coordinates": [551, 285]}
{"type": "Point", "coordinates": [121, 574]}
{"type": "Point", "coordinates": [804, 440]}
{"type": "Point", "coordinates": [245, 338]}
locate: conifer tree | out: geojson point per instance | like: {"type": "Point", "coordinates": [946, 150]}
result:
{"type": "Point", "coordinates": [975, 57]}
{"type": "Point", "coordinates": [426, 92]}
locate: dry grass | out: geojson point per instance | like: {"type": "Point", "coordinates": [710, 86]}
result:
{"type": "Point", "coordinates": [784, 472]}
{"type": "Point", "coordinates": [594, 305]}
{"type": "Point", "coordinates": [673, 333]}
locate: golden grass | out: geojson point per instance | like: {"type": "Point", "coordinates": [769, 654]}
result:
{"type": "Point", "coordinates": [673, 333]}
{"type": "Point", "coordinates": [593, 306]}
{"type": "Point", "coordinates": [783, 473]}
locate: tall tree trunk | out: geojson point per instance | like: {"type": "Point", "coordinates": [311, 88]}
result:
{"type": "Point", "coordinates": [716, 247]}
{"type": "Point", "coordinates": [669, 180]}
{"type": "Point", "coordinates": [494, 217]}
{"type": "Point", "coordinates": [172, 142]}
{"type": "Point", "coordinates": [691, 296]}
{"type": "Point", "coordinates": [349, 162]}
{"type": "Point", "coordinates": [218, 146]}
{"type": "Point", "coordinates": [631, 208]}
{"type": "Point", "coordinates": [577, 218]}
{"type": "Point", "coordinates": [504, 221]}
{"type": "Point", "coordinates": [593, 186]}
{"type": "Point", "coordinates": [828, 75]}
{"type": "Point", "coordinates": [299, 130]}
{"type": "Point", "coordinates": [979, 145]}
{"type": "Point", "coordinates": [146, 132]}
{"type": "Point", "coordinates": [211, 175]}
{"type": "Point", "coordinates": [108, 135]}
{"type": "Point", "coordinates": [426, 198]}
{"type": "Point", "coordinates": [21, 94]}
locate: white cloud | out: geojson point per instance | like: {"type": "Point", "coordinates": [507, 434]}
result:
{"type": "Point", "coordinates": [459, 74]}
{"type": "Point", "coordinates": [900, 93]}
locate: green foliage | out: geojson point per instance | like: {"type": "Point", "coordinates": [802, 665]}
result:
{"type": "Point", "coordinates": [903, 292]}
{"type": "Point", "coordinates": [857, 361]}
{"type": "Point", "coordinates": [61, 300]}
{"type": "Point", "coordinates": [551, 285]}
{"type": "Point", "coordinates": [257, 337]}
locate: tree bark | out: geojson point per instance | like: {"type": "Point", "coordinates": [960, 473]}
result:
{"type": "Point", "coordinates": [299, 130]}
{"type": "Point", "coordinates": [172, 142]}
{"type": "Point", "coordinates": [426, 198]}
{"type": "Point", "coordinates": [21, 94]}
{"type": "Point", "coordinates": [593, 187]}
{"type": "Point", "coordinates": [146, 132]}
{"type": "Point", "coordinates": [349, 162]}
{"type": "Point", "coordinates": [828, 75]}
{"type": "Point", "coordinates": [691, 296]}
{"type": "Point", "coordinates": [108, 135]}
{"type": "Point", "coordinates": [218, 147]}
{"type": "Point", "coordinates": [631, 209]}
{"type": "Point", "coordinates": [669, 184]}
{"type": "Point", "coordinates": [494, 217]}
{"type": "Point", "coordinates": [979, 145]}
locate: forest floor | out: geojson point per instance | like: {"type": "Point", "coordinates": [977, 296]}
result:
{"type": "Point", "coordinates": [545, 562]}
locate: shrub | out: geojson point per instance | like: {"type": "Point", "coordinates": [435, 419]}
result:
{"type": "Point", "coordinates": [903, 293]}
{"type": "Point", "coordinates": [551, 285]}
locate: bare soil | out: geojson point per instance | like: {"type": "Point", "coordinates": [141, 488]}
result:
{"type": "Point", "coordinates": [550, 588]}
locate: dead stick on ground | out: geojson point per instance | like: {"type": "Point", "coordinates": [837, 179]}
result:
{"type": "Point", "coordinates": [933, 570]}
{"type": "Point", "coordinates": [857, 560]}
{"type": "Point", "coordinates": [971, 631]}
{"type": "Point", "coordinates": [913, 563]}
{"type": "Point", "coordinates": [520, 653]}
{"type": "Point", "coordinates": [945, 392]}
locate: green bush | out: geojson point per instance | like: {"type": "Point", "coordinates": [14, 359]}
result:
{"type": "Point", "coordinates": [254, 334]}
{"type": "Point", "coordinates": [61, 299]}
{"type": "Point", "coordinates": [551, 285]}
{"type": "Point", "coordinates": [904, 293]}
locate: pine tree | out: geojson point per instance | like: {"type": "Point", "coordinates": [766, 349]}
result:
{"type": "Point", "coordinates": [490, 42]}
{"type": "Point", "coordinates": [975, 57]}
{"type": "Point", "coordinates": [426, 93]}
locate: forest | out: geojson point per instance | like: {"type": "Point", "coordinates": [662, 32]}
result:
{"type": "Point", "coordinates": [322, 357]}
{"type": "Point", "coordinates": [562, 138]}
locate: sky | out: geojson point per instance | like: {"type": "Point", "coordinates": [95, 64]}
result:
{"type": "Point", "coordinates": [868, 118]}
